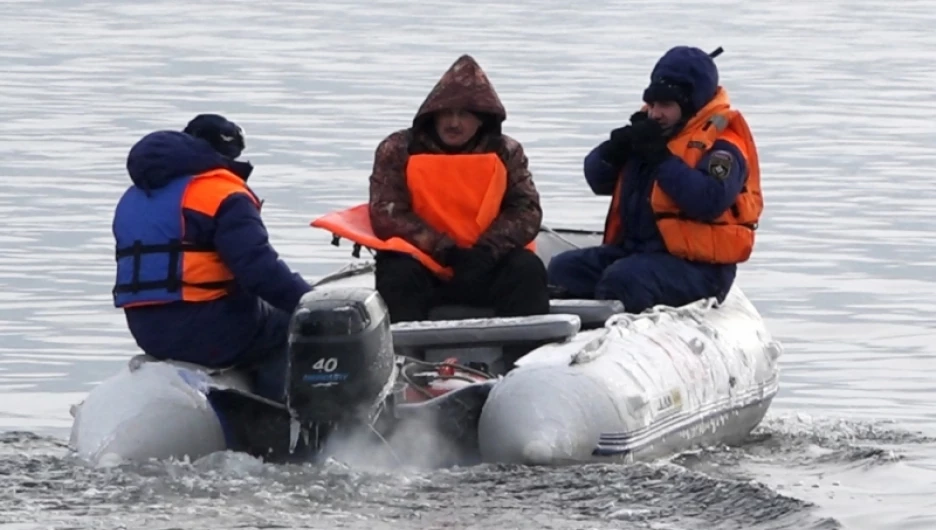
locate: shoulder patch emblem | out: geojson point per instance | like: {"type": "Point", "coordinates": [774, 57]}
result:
{"type": "Point", "coordinates": [719, 165]}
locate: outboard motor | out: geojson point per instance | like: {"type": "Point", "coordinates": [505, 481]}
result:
{"type": "Point", "coordinates": [341, 359]}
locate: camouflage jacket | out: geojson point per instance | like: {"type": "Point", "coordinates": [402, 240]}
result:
{"type": "Point", "coordinates": [465, 86]}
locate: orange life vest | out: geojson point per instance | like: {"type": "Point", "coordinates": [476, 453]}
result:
{"type": "Point", "coordinates": [155, 263]}
{"type": "Point", "coordinates": [728, 238]}
{"type": "Point", "coordinates": [459, 195]}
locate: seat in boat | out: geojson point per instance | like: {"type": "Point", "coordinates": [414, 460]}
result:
{"type": "Point", "coordinates": [472, 332]}
{"type": "Point", "coordinates": [592, 313]}
{"type": "Point", "coordinates": [467, 326]}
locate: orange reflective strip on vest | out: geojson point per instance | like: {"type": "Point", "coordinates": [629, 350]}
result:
{"type": "Point", "coordinates": [459, 195]}
{"type": "Point", "coordinates": [204, 194]}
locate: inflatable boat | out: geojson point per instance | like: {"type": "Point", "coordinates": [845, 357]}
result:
{"type": "Point", "coordinates": [598, 383]}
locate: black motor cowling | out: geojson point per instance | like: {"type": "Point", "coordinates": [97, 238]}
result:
{"type": "Point", "coordinates": [341, 356]}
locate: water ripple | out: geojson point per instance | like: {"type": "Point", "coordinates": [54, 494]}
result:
{"type": "Point", "coordinates": [839, 95]}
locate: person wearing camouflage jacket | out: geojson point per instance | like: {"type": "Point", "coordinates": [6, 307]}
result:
{"type": "Point", "coordinates": [462, 115]}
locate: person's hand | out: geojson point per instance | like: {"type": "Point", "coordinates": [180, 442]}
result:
{"type": "Point", "coordinates": [470, 265]}
{"type": "Point", "coordinates": [639, 116]}
{"type": "Point", "coordinates": [617, 147]}
{"type": "Point", "coordinates": [649, 142]}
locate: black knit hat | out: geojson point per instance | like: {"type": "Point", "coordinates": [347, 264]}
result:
{"type": "Point", "coordinates": [664, 89]}
{"type": "Point", "coordinates": [225, 136]}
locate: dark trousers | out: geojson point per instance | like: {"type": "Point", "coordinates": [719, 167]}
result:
{"type": "Point", "coordinates": [639, 280]}
{"type": "Point", "coordinates": [244, 332]}
{"type": "Point", "coordinates": [515, 286]}
{"type": "Point", "coordinates": [266, 357]}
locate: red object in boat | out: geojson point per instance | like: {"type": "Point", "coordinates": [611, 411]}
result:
{"type": "Point", "coordinates": [447, 370]}
{"type": "Point", "coordinates": [447, 377]}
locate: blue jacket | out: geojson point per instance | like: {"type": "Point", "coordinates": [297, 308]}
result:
{"type": "Point", "coordinates": [697, 194]}
{"type": "Point", "coordinates": [220, 331]}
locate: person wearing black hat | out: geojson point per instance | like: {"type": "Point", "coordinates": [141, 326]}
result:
{"type": "Point", "coordinates": [196, 275]}
{"type": "Point", "coordinates": [684, 181]}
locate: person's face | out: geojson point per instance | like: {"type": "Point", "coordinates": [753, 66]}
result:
{"type": "Point", "coordinates": [666, 113]}
{"type": "Point", "coordinates": [456, 127]}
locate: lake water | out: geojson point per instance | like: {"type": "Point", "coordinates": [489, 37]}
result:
{"type": "Point", "coordinates": [839, 95]}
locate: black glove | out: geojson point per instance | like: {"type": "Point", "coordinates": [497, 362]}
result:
{"type": "Point", "coordinates": [617, 148]}
{"type": "Point", "coordinates": [470, 265]}
{"type": "Point", "coordinates": [649, 142]}
{"type": "Point", "coordinates": [639, 116]}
